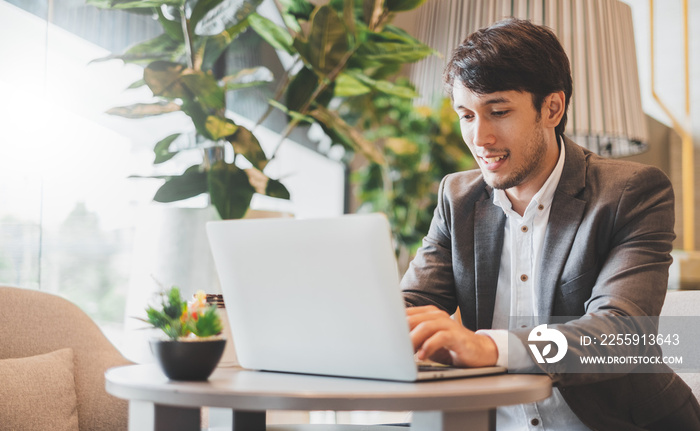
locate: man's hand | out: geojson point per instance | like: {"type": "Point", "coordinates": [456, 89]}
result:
{"type": "Point", "coordinates": [438, 337]}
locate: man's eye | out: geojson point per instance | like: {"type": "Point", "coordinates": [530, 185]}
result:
{"type": "Point", "coordinates": [466, 117]}
{"type": "Point", "coordinates": [499, 113]}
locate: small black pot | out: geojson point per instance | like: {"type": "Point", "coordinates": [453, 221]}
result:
{"type": "Point", "coordinates": [188, 360]}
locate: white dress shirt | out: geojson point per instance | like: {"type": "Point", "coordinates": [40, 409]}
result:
{"type": "Point", "coordinates": [516, 305]}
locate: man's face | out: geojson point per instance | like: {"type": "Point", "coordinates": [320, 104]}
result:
{"type": "Point", "coordinates": [505, 134]}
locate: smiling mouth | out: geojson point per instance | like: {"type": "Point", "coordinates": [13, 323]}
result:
{"type": "Point", "coordinates": [495, 159]}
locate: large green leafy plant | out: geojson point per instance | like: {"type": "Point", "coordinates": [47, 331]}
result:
{"type": "Point", "coordinates": [342, 49]}
{"type": "Point", "coordinates": [179, 70]}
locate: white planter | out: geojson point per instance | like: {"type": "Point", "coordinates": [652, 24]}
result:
{"type": "Point", "coordinates": [171, 248]}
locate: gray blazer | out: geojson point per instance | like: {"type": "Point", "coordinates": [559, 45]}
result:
{"type": "Point", "coordinates": [606, 251]}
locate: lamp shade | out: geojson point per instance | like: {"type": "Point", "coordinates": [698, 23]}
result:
{"type": "Point", "coordinates": [605, 113]}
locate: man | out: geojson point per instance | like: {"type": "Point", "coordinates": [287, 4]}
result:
{"type": "Point", "coordinates": [543, 228]}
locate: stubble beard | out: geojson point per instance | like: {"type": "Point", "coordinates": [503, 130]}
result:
{"type": "Point", "coordinates": [531, 165]}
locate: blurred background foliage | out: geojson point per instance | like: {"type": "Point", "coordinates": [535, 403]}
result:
{"type": "Point", "coordinates": [421, 145]}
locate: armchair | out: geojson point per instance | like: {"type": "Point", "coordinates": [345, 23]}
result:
{"type": "Point", "coordinates": [52, 363]}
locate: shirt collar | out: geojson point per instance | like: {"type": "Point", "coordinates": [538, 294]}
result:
{"type": "Point", "coordinates": [544, 196]}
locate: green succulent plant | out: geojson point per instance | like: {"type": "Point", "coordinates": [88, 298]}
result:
{"type": "Point", "coordinates": [178, 319]}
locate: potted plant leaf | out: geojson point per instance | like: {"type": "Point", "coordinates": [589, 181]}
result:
{"type": "Point", "coordinates": [342, 49]}
{"type": "Point", "coordinates": [192, 346]}
{"type": "Point", "coordinates": [180, 70]}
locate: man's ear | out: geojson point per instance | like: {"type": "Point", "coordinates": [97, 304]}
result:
{"type": "Point", "coordinates": [553, 108]}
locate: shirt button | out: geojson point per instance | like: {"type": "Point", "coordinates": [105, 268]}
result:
{"type": "Point", "coordinates": [540, 207]}
{"type": "Point", "coordinates": [523, 278]}
{"type": "Point", "coordinates": [524, 228]}
{"type": "Point", "coordinates": [535, 422]}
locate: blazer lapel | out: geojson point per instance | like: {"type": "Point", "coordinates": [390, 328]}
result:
{"type": "Point", "coordinates": [489, 223]}
{"type": "Point", "coordinates": [564, 219]}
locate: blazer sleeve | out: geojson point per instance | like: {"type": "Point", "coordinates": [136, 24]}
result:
{"type": "Point", "coordinates": [429, 279]}
{"type": "Point", "coordinates": [632, 278]}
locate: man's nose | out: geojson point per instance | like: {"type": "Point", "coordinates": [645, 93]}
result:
{"type": "Point", "coordinates": [483, 133]}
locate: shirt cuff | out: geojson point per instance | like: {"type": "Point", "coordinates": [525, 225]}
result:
{"type": "Point", "coordinates": [511, 351]}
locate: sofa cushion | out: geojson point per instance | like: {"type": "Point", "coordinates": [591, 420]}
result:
{"type": "Point", "coordinates": [38, 392]}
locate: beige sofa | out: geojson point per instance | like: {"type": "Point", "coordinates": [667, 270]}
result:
{"type": "Point", "coordinates": [52, 363]}
{"type": "Point", "coordinates": [684, 303]}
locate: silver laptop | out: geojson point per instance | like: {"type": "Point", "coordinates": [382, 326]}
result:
{"type": "Point", "coordinates": [318, 296]}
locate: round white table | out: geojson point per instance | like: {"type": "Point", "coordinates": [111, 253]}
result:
{"type": "Point", "coordinates": [446, 405]}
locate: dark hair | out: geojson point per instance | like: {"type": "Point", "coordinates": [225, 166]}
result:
{"type": "Point", "coordinates": [512, 54]}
